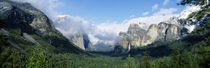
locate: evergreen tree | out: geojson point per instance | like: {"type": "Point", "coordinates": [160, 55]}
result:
{"type": "Point", "coordinates": [186, 60]}
{"type": "Point", "coordinates": [146, 60]}
{"type": "Point", "coordinates": [38, 59]}
{"type": "Point", "coordinates": [195, 2]}
{"type": "Point", "coordinates": [131, 62]}
{"type": "Point", "coordinates": [2, 21]}
{"type": "Point", "coordinates": [175, 59]}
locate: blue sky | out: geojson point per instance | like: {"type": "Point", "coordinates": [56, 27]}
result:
{"type": "Point", "coordinates": [103, 20]}
{"type": "Point", "coordinates": [100, 11]}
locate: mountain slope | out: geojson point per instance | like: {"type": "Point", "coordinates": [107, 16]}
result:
{"type": "Point", "coordinates": [32, 21]}
{"type": "Point", "coordinates": [175, 28]}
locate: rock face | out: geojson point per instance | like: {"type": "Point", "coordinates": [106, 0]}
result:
{"type": "Point", "coordinates": [26, 17]}
{"type": "Point", "coordinates": [29, 38]}
{"type": "Point", "coordinates": [30, 20]}
{"type": "Point", "coordinates": [82, 41]}
{"type": "Point", "coordinates": [77, 35]}
{"type": "Point", "coordinates": [172, 29]}
{"type": "Point", "coordinates": [87, 44]}
{"type": "Point", "coordinates": [136, 36]}
{"type": "Point", "coordinates": [133, 36]}
{"type": "Point", "coordinates": [77, 39]}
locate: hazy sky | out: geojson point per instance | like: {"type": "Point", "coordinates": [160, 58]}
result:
{"type": "Point", "coordinates": [100, 11]}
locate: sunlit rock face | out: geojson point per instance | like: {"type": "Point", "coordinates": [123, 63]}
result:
{"type": "Point", "coordinates": [162, 28]}
{"type": "Point", "coordinates": [151, 35]}
{"type": "Point", "coordinates": [133, 36]}
{"type": "Point", "coordinates": [173, 32]}
{"type": "Point", "coordinates": [137, 37]}
{"type": "Point", "coordinates": [74, 32]}
{"type": "Point", "coordinates": [136, 34]}
{"type": "Point", "coordinates": [173, 29]}
{"type": "Point", "coordinates": [82, 41]}
{"type": "Point", "coordinates": [77, 39]}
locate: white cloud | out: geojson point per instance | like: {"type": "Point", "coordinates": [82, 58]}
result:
{"type": "Point", "coordinates": [145, 13]}
{"type": "Point", "coordinates": [105, 32]}
{"type": "Point", "coordinates": [47, 6]}
{"type": "Point", "coordinates": [165, 12]}
{"type": "Point", "coordinates": [154, 7]}
{"type": "Point", "coordinates": [165, 2]}
{"type": "Point", "coordinates": [162, 15]}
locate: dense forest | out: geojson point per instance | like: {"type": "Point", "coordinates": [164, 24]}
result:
{"type": "Point", "coordinates": [192, 51]}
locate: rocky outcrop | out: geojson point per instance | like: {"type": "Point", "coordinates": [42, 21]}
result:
{"type": "Point", "coordinates": [77, 35]}
{"type": "Point", "coordinates": [30, 20]}
{"type": "Point", "coordinates": [29, 38]}
{"type": "Point", "coordinates": [133, 36]}
{"type": "Point", "coordinates": [87, 43]}
{"type": "Point", "coordinates": [136, 36]}
{"type": "Point", "coordinates": [25, 17]}
{"type": "Point", "coordinates": [77, 39]}
{"type": "Point", "coordinates": [173, 29]}
{"type": "Point", "coordinates": [82, 41]}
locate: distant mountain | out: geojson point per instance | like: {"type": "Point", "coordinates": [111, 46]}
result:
{"type": "Point", "coordinates": [173, 29]}
{"type": "Point", "coordinates": [31, 21]}
{"type": "Point", "coordinates": [77, 35]}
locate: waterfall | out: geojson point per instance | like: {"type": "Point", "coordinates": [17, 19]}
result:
{"type": "Point", "coordinates": [129, 48]}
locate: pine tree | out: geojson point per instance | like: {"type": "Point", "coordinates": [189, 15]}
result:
{"type": "Point", "coordinates": [175, 59]}
{"type": "Point", "coordinates": [186, 60]}
{"type": "Point", "coordinates": [195, 2]}
{"type": "Point", "coordinates": [146, 60]}
{"type": "Point", "coordinates": [38, 59]}
{"type": "Point", "coordinates": [131, 62]}
{"type": "Point", "coordinates": [2, 21]}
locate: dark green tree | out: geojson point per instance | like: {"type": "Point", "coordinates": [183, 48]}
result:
{"type": "Point", "coordinates": [2, 21]}
{"type": "Point", "coordinates": [195, 2]}
{"type": "Point", "coordinates": [38, 58]}
{"type": "Point", "coordinates": [175, 59]}
{"type": "Point", "coordinates": [187, 60]}
{"type": "Point", "coordinates": [146, 60]}
{"type": "Point", "coordinates": [130, 63]}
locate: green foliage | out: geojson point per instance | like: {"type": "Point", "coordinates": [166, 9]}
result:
{"type": "Point", "coordinates": [202, 30]}
{"type": "Point", "coordinates": [12, 58]}
{"type": "Point", "coordinates": [202, 53]}
{"type": "Point", "coordinates": [130, 63]}
{"type": "Point", "coordinates": [146, 59]}
{"type": "Point", "coordinates": [38, 59]}
{"type": "Point", "coordinates": [161, 63]}
{"type": "Point", "coordinates": [3, 40]}
{"type": "Point", "coordinates": [185, 55]}
{"type": "Point", "coordinates": [187, 60]}
{"type": "Point", "coordinates": [175, 59]}
{"type": "Point", "coordinates": [199, 14]}
{"type": "Point", "coordinates": [2, 21]}
{"type": "Point", "coordinates": [191, 15]}
{"type": "Point", "coordinates": [208, 24]}
{"type": "Point", "coordinates": [195, 2]}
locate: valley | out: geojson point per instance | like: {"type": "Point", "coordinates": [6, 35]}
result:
{"type": "Point", "coordinates": [29, 38]}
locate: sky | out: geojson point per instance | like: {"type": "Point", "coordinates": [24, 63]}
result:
{"type": "Point", "coordinates": [100, 11]}
{"type": "Point", "coordinates": [103, 20]}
